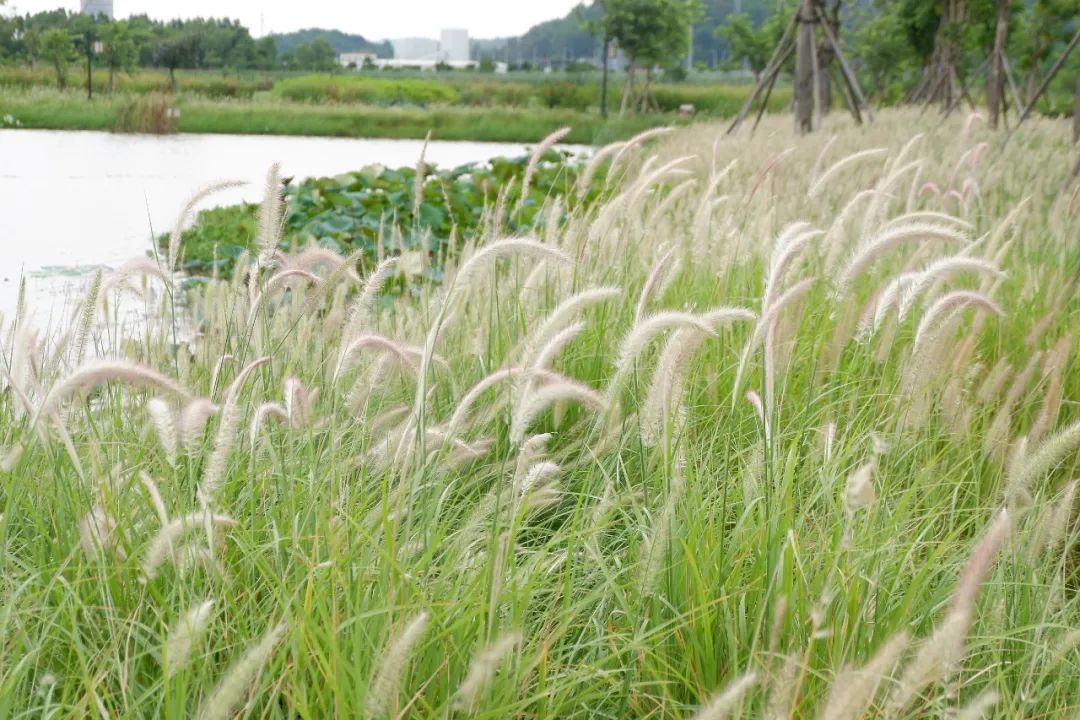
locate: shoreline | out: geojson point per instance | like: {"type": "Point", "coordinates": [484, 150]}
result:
{"type": "Point", "coordinates": [70, 111]}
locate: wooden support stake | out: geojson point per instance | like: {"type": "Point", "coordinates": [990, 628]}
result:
{"type": "Point", "coordinates": [1017, 104]}
{"type": "Point", "coordinates": [769, 89]}
{"type": "Point", "coordinates": [849, 99]}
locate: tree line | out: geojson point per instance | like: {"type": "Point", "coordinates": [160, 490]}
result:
{"type": "Point", "coordinates": [899, 50]}
{"type": "Point", "coordinates": [58, 38]}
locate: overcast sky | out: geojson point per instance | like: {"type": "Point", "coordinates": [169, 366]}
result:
{"type": "Point", "coordinates": [374, 19]}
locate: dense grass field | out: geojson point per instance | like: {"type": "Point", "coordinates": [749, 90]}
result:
{"type": "Point", "coordinates": [787, 428]}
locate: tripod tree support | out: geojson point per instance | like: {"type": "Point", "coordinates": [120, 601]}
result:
{"type": "Point", "coordinates": [846, 72]}
{"type": "Point", "coordinates": [779, 56]}
{"type": "Point", "coordinates": [1049, 76]}
{"type": "Point", "coordinates": [995, 85]}
{"type": "Point", "coordinates": [800, 37]}
{"type": "Point", "coordinates": [1012, 81]}
{"type": "Point", "coordinates": [805, 80]}
{"type": "Point", "coordinates": [768, 90]}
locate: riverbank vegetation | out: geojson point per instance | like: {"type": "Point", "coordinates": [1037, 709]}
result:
{"type": "Point", "coordinates": [889, 46]}
{"type": "Point", "coordinates": [457, 107]}
{"type": "Point", "coordinates": [786, 427]}
{"type": "Point", "coordinates": [425, 214]}
{"type": "Point", "coordinates": [53, 110]}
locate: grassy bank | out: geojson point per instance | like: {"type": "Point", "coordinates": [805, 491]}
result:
{"type": "Point", "coordinates": [49, 109]}
{"type": "Point", "coordinates": [566, 91]}
{"type": "Point", "coordinates": [797, 439]}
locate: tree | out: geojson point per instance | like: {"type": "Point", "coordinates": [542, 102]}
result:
{"type": "Point", "coordinates": [649, 33]}
{"type": "Point", "coordinates": [317, 55]}
{"type": "Point", "coordinates": [830, 16]}
{"type": "Point", "coordinates": [266, 53]}
{"type": "Point", "coordinates": [175, 52]}
{"type": "Point", "coordinates": [881, 49]}
{"type": "Point", "coordinates": [57, 49]}
{"type": "Point", "coordinates": [747, 45]}
{"type": "Point", "coordinates": [10, 33]}
{"type": "Point", "coordinates": [1045, 27]}
{"type": "Point", "coordinates": [944, 35]}
{"type": "Point", "coordinates": [118, 50]}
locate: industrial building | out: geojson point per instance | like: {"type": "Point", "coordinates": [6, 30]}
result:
{"type": "Point", "coordinates": [415, 49]}
{"type": "Point", "coordinates": [454, 45]}
{"type": "Point", "coordinates": [97, 7]}
{"type": "Point", "coordinates": [452, 48]}
{"type": "Point", "coordinates": [356, 59]}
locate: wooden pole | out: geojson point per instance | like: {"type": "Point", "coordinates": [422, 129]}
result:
{"type": "Point", "coordinates": [603, 78]}
{"type": "Point", "coordinates": [1012, 81]}
{"type": "Point", "coordinates": [849, 99]}
{"type": "Point", "coordinates": [768, 90]}
{"type": "Point", "coordinates": [89, 65]}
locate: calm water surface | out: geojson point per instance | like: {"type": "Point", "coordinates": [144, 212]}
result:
{"type": "Point", "coordinates": [71, 202]}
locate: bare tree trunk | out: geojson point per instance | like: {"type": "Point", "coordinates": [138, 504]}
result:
{"type": "Point", "coordinates": [628, 86]}
{"type": "Point", "coordinates": [995, 84]}
{"type": "Point", "coordinates": [645, 91]}
{"type": "Point", "coordinates": [831, 16]}
{"type": "Point", "coordinates": [805, 49]}
{"type": "Point", "coordinates": [941, 72]}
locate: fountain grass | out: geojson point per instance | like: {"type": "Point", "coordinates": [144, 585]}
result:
{"type": "Point", "coordinates": [837, 542]}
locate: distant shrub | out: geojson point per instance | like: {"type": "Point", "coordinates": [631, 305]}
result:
{"type": "Point", "coordinates": [563, 94]}
{"type": "Point", "coordinates": [152, 113]}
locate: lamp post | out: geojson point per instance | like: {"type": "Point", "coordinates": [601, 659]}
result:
{"type": "Point", "coordinates": [90, 48]}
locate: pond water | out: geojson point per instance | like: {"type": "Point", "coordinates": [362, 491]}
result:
{"type": "Point", "coordinates": [71, 202]}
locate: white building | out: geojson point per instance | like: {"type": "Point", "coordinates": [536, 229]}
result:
{"type": "Point", "coordinates": [415, 49]}
{"type": "Point", "coordinates": [431, 64]}
{"type": "Point", "coordinates": [97, 7]}
{"type": "Point", "coordinates": [355, 59]}
{"type": "Point", "coordinates": [454, 45]}
{"type": "Point", "coordinates": [452, 48]}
